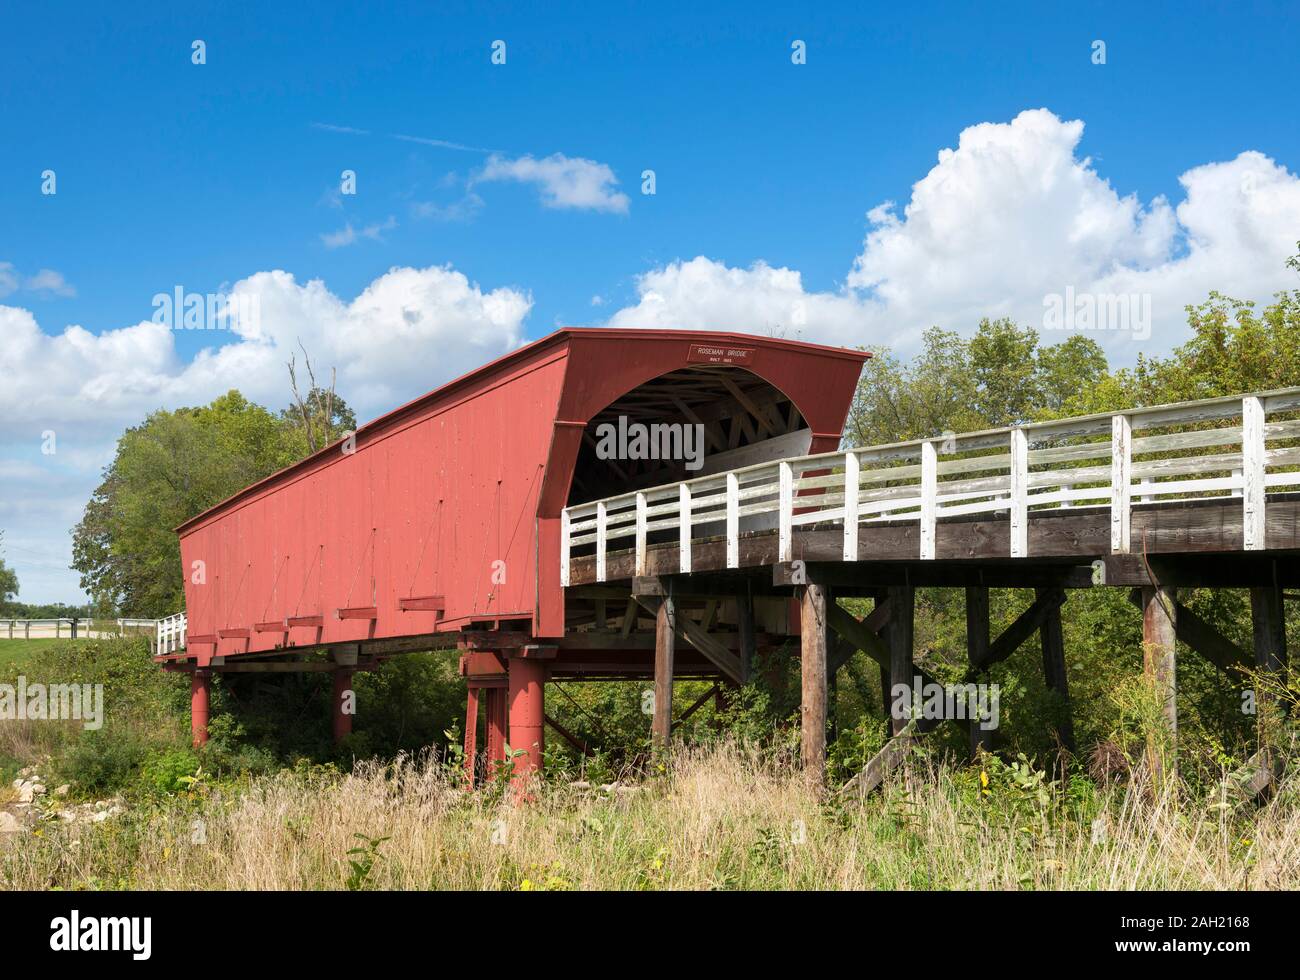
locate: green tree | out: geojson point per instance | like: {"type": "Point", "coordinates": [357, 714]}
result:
{"type": "Point", "coordinates": [1001, 376]}
{"type": "Point", "coordinates": [8, 579]}
{"type": "Point", "coordinates": [171, 467]}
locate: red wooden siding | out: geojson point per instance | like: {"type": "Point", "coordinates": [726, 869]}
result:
{"type": "Point", "coordinates": [440, 489]}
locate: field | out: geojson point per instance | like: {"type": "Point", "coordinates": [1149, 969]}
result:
{"type": "Point", "coordinates": [730, 810]}
{"type": "Point", "coordinates": [16, 652]}
{"type": "Point", "coordinates": [717, 818]}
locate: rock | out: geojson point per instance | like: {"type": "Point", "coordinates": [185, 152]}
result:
{"type": "Point", "coordinates": [62, 790]}
{"type": "Point", "coordinates": [67, 816]}
{"type": "Point", "coordinates": [9, 824]}
{"type": "Point", "coordinates": [26, 792]}
{"type": "Point", "coordinates": [38, 789]}
{"type": "Point", "coordinates": [100, 817]}
{"type": "Point", "coordinates": [17, 783]}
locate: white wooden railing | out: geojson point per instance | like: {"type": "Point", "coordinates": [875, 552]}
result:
{"type": "Point", "coordinates": [1091, 461]}
{"type": "Point", "coordinates": [170, 635]}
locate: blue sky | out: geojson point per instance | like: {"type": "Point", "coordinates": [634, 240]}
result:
{"type": "Point", "coordinates": [204, 176]}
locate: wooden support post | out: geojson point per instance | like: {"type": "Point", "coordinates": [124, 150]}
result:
{"type": "Point", "coordinates": [1159, 665]}
{"type": "Point", "coordinates": [1268, 615]}
{"type": "Point", "coordinates": [665, 647]}
{"type": "Point", "coordinates": [902, 602]}
{"type": "Point", "coordinates": [1053, 642]}
{"type": "Point", "coordinates": [1201, 637]}
{"type": "Point", "coordinates": [813, 626]}
{"type": "Point", "coordinates": [977, 648]}
{"type": "Point", "coordinates": [745, 629]}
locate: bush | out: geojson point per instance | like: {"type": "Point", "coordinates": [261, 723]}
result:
{"type": "Point", "coordinates": [102, 761]}
{"type": "Point", "coordinates": [165, 771]}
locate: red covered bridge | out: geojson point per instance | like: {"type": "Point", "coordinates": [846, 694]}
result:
{"type": "Point", "coordinates": [440, 523]}
{"type": "Point", "coordinates": [538, 515]}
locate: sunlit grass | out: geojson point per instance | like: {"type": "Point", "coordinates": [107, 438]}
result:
{"type": "Point", "coordinates": [719, 818]}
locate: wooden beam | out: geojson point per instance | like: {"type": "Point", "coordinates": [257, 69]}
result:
{"type": "Point", "coordinates": [629, 619]}
{"type": "Point", "coordinates": [277, 667]}
{"type": "Point", "coordinates": [902, 601]}
{"type": "Point", "coordinates": [427, 603]}
{"type": "Point", "coordinates": [1053, 643]}
{"type": "Point", "coordinates": [745, 627]}
{"type": "Point", "coordinates": [760, 416]}
{"type": "Point", "coordinates": [685, 627]}
{"type": "Point", "coordinates": [1010, 639]}
{"type": "Point", "coordinates": [855, 631]}
{"type": "Point", "coordinates": [665, 640]}
{"type": "Point", "coordinates": [813, 627]}
{"type": "Point", "coordinates": [977, 648]}
{"type": "Point", "coordinates": [1268, 618]}
{"type": "Point", "coordinates": [1160, 666]}
{"type": "Point", "coordinates": [884, 762]}
{"type": "Point", "coordinates": [1203, 638]}
{"type": "Point", "coordinates": [568, 736]}
{"type": "Point", "coordinates": [695, 705]}
{"type": "Point", "coordinates": [1203, 536]}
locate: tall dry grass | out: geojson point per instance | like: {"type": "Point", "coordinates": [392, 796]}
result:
{"type": "Point", "coordinates": [718, 818]}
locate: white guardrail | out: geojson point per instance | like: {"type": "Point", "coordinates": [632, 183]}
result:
{"type": "Point", "coordinates": [1091, 461]}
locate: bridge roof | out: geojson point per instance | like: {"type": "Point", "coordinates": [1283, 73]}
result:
{"type": "Point", "coordinates": [610, 339]}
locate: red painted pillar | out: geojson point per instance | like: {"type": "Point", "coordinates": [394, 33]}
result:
{"type": "Point", "coordinates": [471, 734]}
{"type": "Point", "coordinates": [527, 687]}
{"type": "Point", "coordinates": [200, 682]}
{"type": "Point", "coordinates": [496, 727]}
{"type": "Point", "coordinates": [344, 705]}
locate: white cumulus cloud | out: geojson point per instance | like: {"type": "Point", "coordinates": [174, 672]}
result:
{"type": "Point", "coordinates": [565, 182]}
{"type": "Point", "coordinates": [1011, 216]}
{"type": "Point", "coordinates": [74, 392]}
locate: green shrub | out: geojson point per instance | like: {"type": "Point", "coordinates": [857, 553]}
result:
{"type": "Point", "coordinates": [165, 771]}
{"type": "Point", "coordinates": [102, 761]}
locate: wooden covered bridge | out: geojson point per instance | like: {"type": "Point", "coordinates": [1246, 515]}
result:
{"type": "Point", "coordinates": [509, 515]}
